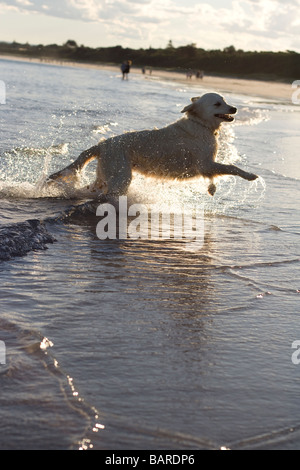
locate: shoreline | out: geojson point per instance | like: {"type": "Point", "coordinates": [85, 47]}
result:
{"type": "Point", "coordinates": [278, 91]}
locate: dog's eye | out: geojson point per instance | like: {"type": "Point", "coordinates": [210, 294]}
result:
{"type": "Point", "coordinates": [217, 105]}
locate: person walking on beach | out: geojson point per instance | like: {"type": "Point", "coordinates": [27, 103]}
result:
{"type": "Point", "coordinates": [125, 67]}
{"type": "Point", "coordinates": [200, 74]}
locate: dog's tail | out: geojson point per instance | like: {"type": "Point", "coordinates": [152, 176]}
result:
{"type": "Point", "coordinates": [71, 172]}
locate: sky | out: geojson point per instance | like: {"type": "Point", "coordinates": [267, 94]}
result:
{"type": "Point", "coordinates": [272, 25]}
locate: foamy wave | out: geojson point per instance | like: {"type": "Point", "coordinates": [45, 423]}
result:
{"type": "Point", "coordinates": [59, 149]}
{"type": "Point", "coordinates": [251, 117]}
{"type": "Point", "coordinates": [105, 128]}
{"type": "Point", "coordinates": [19, 239]}
{"type": "Point", "coordinates": [11, 190]}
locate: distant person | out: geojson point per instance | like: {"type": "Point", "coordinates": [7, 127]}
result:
{"type": "Point", "coordinates": [125, 70]}
{"type": "Point", "coordinates": [200, 74]}
{"type": "Point", "coordinates": [125, 67]}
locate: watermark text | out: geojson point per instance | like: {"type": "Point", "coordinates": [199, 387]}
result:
{"type": "Point", "coordinates": [296, 354]}
{"type": "Point", "coordinates": [151, 222]}
{"type": "Point", "coordinates": [2, 353]}
{"type": "Point", "coordinates": [2, 92]}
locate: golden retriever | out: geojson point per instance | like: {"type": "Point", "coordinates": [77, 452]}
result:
{"type": "Point", "coordinates": [184, 149]}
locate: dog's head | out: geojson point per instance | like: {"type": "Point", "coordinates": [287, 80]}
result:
{"type": "Point", "coordinates": [211, 109]}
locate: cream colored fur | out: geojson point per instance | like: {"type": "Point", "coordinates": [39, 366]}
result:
{"type": "Point", "coordinates": [185, 149]}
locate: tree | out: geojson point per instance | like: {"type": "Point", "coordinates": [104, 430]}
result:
{"type": "Point", "coordinates": [71, 44]}
{"type": "Point", "coordinates": [229, 50]}
{"type": "Point", "coordinates": [190, 50]}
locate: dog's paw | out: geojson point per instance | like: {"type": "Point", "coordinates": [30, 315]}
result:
{"type": "Point", "coordinates": [212, 188]}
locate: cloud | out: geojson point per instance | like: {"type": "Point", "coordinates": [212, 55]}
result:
{"type": "Point", "coordinates": [25, 3]}
{"type": "Point", "coordinates": [129, 11]}
{"type": "Point", "coordinates": [247, 24]}
{"type": "Point", "coordinates": [55, 8]}
{"type": "Point", "coordinates": [266, 19]}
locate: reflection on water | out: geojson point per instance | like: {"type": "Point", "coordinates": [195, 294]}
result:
{"type": "Point", "coordinates": [122, 344]}
{"type": "Point", "coordinates": [155, 323]}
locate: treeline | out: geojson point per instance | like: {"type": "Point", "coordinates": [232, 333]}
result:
{"type": "Point", "coordinates": [284, 66]}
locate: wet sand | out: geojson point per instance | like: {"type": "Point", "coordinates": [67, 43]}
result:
{"type": "Point", "coordinates": [272, 90]}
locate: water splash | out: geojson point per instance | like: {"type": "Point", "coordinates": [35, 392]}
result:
{"type": "Point", "coordinates": [24, 171]}
{"type": "Point", "coordinates": [251, 117]}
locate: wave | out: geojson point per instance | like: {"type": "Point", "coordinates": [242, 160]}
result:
{"type": "Point", "coordinates": [28, 344]}
{"type": "Point", "coordinates": [15, 191]}
{"type": "Point", "coordinates": [277, 174]}
{"type": "Point", "coordinates": [251, 116]}
{"type": "Point", "coordinates": [59, 149]}
{"type": "Point", "coordinates": [104, 128]}
{"type": "Point", "coordinates": [19, 239]}
{"type": "Point", "coordinates": [23, 171]}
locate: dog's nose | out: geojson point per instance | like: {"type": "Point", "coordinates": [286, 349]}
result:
{"type": "Point", "coordinates": [233, 110]}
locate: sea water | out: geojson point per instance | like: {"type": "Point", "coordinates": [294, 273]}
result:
{"type": "Point", "coordinates": [136, 343]}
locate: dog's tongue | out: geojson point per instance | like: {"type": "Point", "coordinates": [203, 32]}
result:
{"type": "Point", "coordinates": [226, 117]}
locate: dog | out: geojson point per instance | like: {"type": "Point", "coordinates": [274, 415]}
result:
{"type": "Point", "coordinates": [182, 150]}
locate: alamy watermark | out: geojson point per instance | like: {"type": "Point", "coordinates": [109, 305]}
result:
{"type": "Point", "coordinates": [152, 222]}
{"type": "Point", "coordinates": [2, 353]}
{"type": "Point", "coordinates": [296, 354]}
{"type": "Point", "coordinates": [2, 92]}
{"type": "Point", "coordinates": [296, 94]}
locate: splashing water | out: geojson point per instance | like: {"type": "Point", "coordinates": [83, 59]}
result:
{"type": "Point", "coordinates": [25, 170]}
{"type": "Point", "coordinates": [21, 175]}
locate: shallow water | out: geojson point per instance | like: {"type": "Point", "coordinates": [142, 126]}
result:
{"type": "Point", "coordinates": [145, 344]}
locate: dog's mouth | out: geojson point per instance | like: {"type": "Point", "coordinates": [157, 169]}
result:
{"type": "Point", "coordinates": [225, 117]}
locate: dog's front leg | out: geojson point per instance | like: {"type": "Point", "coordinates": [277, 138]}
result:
{"type": "Point", "coordinates": [219, 169]}
{"type": "Point", "coordinates": [212, 188]}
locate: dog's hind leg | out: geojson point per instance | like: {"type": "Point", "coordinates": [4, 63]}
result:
{"type": "Point", "coordinates": [71, 172]}
{"type": "Point", "coordinates": [114, 174]}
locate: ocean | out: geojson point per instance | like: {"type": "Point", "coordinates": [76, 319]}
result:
{"type": "Point", "coordinates": [129, 344]}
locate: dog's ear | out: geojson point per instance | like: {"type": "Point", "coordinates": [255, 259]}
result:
{"type": "Point", "coordinates": [189, 108]}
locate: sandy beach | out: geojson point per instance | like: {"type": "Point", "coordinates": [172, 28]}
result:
{"type": "Point", "coordinates": [264, 89]}
{"type": "Point", "coordinates": [272, 90]}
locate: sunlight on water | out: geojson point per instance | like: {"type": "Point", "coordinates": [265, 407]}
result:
{"type": "Point", "coordinates": [251, 117]}
{"type": "Point", "coordinates": [25, 170]}
{"type": "Point", "coordinates": [171, 345]}
{"type": "Point", "coordinates": [231, 191]}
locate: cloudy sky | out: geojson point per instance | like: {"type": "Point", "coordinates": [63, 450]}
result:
{"type": "Point", "coordinates": [246, 24]}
